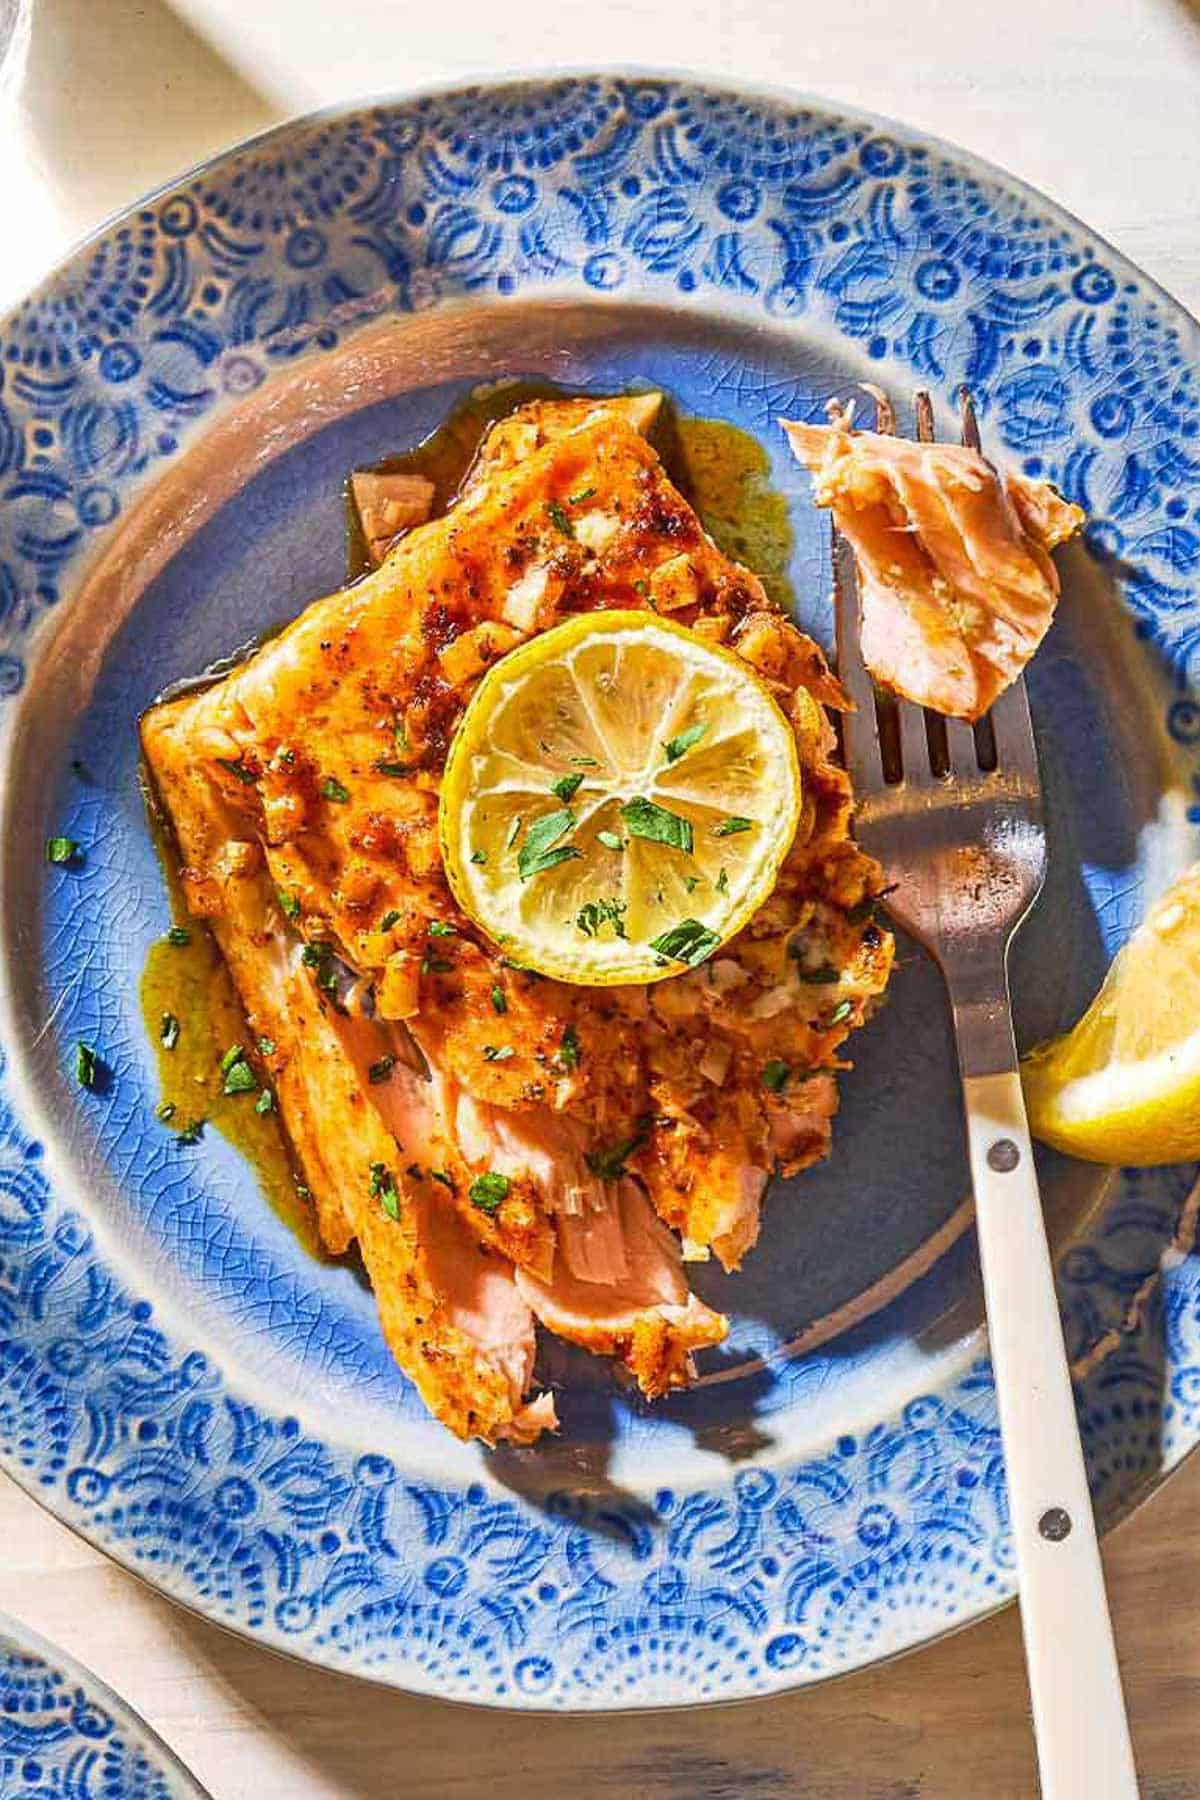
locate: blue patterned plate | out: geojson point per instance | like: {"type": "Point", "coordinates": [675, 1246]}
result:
{"type": "Point", "coordinates": [179, 404]}
{"type": "Point", "coordinates": [64, 1735]}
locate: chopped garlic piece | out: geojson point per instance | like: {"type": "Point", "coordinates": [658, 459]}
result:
{"type": "Point", "coordinates": [523, 599]}
{"type": "Point", "coordinates": [714, 1064]}
{"type": "Point", "coordinates": [596, 530]}
{"type": "Point", "coordinates": [470, 654]}
{"type": "Point", "coordinates": [674, 584]}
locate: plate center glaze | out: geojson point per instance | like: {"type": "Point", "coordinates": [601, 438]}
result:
{"type": "Point", "coordinates": [852, 1262]}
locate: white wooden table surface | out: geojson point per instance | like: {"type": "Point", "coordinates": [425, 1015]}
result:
{"type": "Point", "coordinates": [1097, 102]}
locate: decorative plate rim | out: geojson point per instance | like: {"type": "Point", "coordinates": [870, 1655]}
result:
{"type": "Point", "coordinates": [25, 1641]}
{"type": "Point", "coordinates": [551, 75]}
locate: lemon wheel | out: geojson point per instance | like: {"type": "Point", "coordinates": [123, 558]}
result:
{"type": "Point", "coordinates": [1123, 1087]}
{"type": "Point", "coordinates": [617, 799]}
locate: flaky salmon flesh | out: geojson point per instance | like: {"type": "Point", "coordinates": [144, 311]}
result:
{"type": "Point", "coordinates": [956, 583]}
{"type": "Point", "coordinates": [631, 1129]}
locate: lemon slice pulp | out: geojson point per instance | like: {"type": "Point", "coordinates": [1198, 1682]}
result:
{"type": "Point", "coordinates": [617, 799]}
{"type": "Point", "coordinates": [1123, 1086]}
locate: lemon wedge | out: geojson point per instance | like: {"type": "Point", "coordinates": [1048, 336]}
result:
{"type": "Point", "coordinates": [1123, 1087]}
{"type": "Point", "coordinates": [617, 799]}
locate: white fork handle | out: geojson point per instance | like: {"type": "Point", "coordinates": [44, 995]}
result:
{"type": "Point", "coordinates": [1084, 1752]}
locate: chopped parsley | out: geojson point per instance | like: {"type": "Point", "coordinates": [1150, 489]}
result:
{"type": "Point", "coordinates": [440, 928]}
{"type": "Point", "coordinates": [239, 771]}
{"type": "Point", "coordinates": [514, 832]}
{"type": "Point", "coordinates": [381, 1070]}
{"type": "Point", "coordinates": [595, 913]}
{"type": "Point", "coordinates": [332, 789]}
{"type": "Point", "coordinates": [61, 850]}
{"type": "Point", "coordinates": [179, 935]}
{"type": "Point", "coordinates": [383, 1189]}
{"type": "Point", "coordinates": [723, 882]}
{"type": "Point", "coordinates": [390, 918]}
{"type": "Point", "coordinates": [609, 1164]}
{"type": "Point", "coordinates": [822, 975]}
{"type": "Point", "coordinates": [193, 1131]}
{"type": "Point", "coordinates": [87, 1066]}
{"type": "Point", "coordinates": [441, 1175]}
{"type": "Point", "coordinates": [610, 840]}
{"type": "Point", "coordinates": [775, 1075]}
{"type": "Point", "coordinates": [642, 588]}
{"type": "Point", "coordinates": [857, 915]}
{"type": "Point", "coordinates": [578, 499]}
{"type": "Point", "coordinates": [240, 1078]}
{"type": "Point", "coordinates": [585, 762]}
{"type": "Point", "coordinates": [646, 819]}
{"type": "Point", "coordinates": [435, 965]}
{"type": "Point", "coordinates": [731, 826]}
{"type": "Point", "coordinates": [541, 849]}
{"type": "Point", "coordinates": [165, 1111]}
{"type": "Point", "coordinates": [321, 960]}
{"type": "Point", "coordinates": [168, 1031]}
{"type": "Point", "coordinates": [691, 883]}
{"type": "Point", "coordinates": [569, 1052]}
{"type": "Point", "coordinates": [557, 515]}
{"type": "Point", "coordinates": [497, 1052]}
{"type": "Point", "coordinates": [566, 787]}
{"type": "Point", "coordinates": [688, 942]}
{"type": "Point", "coordinates": [288, 904]}
{"type": "Point", "coordinates": [683, 741]}
{"type": "Point", "coordinates": [841, 1012]}
{"type": "Point", "coordinates": [265, 1102]}
{"type": "Point", "coordinates": [499, 999]}
{"type": "Point", "coordinates": [285, 758]}
{"type": "Point", "coordinates": [479, 856]}
{"type": "Point", "coordinates": [487, 1191]}
{"type": "Point", "coordinates": [266, 1046]}
{"type": "Point", "coordinates": [381, 767]}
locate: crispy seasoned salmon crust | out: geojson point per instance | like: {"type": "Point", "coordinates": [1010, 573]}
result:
{"type": "Point", "coordinates": [303, 792]}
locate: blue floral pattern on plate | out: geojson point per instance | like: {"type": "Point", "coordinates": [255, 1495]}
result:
{"type": "Point", "coordinates": [914, 260]}
{"type": "Point", "coordinates": [64, 1735]}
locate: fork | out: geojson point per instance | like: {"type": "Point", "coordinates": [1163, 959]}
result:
{"type": "Point", "coordinates": [956, 821]}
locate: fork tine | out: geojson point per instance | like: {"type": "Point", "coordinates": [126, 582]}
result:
{"type": "Point", "coordinates": [960, 744]}
{"type": "Point", "coordinates": [860, 733]}
{"type": "Point", "coordinates": [925, 730]}
{"type": "Point", "coordinates": [1011, 725]}
{"type": "Point", "coordinates": [969, 418]}
{"type": "Point", "coordinates": [885, 414]}
{"type": "Point", "coordinates": [914, 744]}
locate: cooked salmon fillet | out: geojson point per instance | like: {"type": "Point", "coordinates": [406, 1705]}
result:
{"type": "Point", "coordinates": [303, 792]}
{"type": "Point", "coordinates": [956, 583]}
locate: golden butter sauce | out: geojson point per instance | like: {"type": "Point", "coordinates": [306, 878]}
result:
{"type": "Point", "coordinates": [190, 983]}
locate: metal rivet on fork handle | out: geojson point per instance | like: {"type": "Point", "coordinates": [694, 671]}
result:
{"type": "Point", "coordinates": [1055, 1524]}
{"type": "Point", "coordinates": [1003, 1156]}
